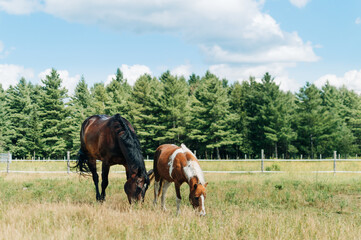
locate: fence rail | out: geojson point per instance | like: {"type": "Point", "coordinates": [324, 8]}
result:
{"type": "Point", "coordinates": [213, 160]}
{"type": "Point", "coordinates": [260, 169]}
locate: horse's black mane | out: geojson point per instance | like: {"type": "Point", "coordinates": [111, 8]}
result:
{"type": "Point", "coordinates": [132, 144]}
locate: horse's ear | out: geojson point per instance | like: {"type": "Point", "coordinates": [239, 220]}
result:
{"type": "Point", "coordinates": [205, 185]}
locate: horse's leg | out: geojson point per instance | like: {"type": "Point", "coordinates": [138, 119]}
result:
{"type": "Point", "coordinates": [105, 173]}
{"type": "Point", "coordinates": [166, 185]}
{"type": "Point", "coordinates": [179, 198]}
{"type": "Point", "coordinates": [93, 169]}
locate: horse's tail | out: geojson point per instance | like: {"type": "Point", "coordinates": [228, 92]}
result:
{"type": "Point", "coordinates": [156, 157]}
{"type": "Point", "coordinates": [155, 162]}
{"type": "Point", "coordinates": [81, 163]}
{"type": "Point", "coordinates": [160, 187]}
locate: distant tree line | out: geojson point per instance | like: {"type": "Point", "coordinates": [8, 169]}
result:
{"type": "Point", "coordinates": [211, 116]}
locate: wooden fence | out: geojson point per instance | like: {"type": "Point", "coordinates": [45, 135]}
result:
{"type": "Point", "coordinates": [7, 160]}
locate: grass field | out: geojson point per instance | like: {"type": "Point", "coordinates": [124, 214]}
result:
{"type": "Point", "coordinates": [288, 205]}
{"type": "Point", "coordinates": [206, 166]}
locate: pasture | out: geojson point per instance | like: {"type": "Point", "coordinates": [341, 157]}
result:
{"type": "Point", "coordinates": [290, 205]}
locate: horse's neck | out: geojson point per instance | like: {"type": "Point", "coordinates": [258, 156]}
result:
{"type": "Point", "coordinates": [193, 172]}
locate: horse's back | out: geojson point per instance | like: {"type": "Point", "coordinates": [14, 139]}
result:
{"type": "Point", "coordinates": [96, 134]}
{"type": "Point", "coordinates": [163, 153]}
{"type": "Point", "coordinates": [165, 161]}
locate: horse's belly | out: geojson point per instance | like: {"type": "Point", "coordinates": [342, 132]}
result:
{"type": "Point", "coordinates": [117, 160]}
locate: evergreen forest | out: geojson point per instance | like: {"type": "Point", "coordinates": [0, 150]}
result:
{"type": "Point", "coordinates": [214, 118]}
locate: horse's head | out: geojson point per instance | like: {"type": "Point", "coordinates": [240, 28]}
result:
{"type": "Point", "coordinates": [137, 177]}
{"type": "Point", "coordinates": [136, 186]}
{"type": "Point", "coordinates": [197, 196]}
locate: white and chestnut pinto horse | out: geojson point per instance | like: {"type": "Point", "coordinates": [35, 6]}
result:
{"type": "Point", "coordinates": [179, 165]}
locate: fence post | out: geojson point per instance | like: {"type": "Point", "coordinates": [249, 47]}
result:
{"type": "Point", "coordinates": [68, 157]}
{"type": "Point", "coordinates": [8, 162]}
{"type": "Point", "coordinates": [262, 159]}
{"type": "Point", "coordinates": [334, 162]}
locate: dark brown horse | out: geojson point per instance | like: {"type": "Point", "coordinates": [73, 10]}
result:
{"type": "Point", "coordinates": [179, 165]}
{"type": "Point", "coordinates": [113, 141]}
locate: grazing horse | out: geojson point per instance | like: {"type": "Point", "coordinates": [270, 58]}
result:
{"type": "Point", "coordinates": [113, 141]}
{"type": "Point", "coordinates": [179, 165]}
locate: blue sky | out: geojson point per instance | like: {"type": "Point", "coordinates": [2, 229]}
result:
{"type": "Point", "coordinates": [295, 40]}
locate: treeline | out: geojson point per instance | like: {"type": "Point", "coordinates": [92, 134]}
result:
{"type": "Point", "coordinates": [212, 117]}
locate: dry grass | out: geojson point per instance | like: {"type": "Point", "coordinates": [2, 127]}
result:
{"type": "Point", "coordinates": [247, 206]}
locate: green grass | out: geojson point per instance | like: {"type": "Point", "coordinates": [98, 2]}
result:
{"type": "Point", "coordinates": [239, 206]}
{"type": "Point", "coordinates": [206, 166]}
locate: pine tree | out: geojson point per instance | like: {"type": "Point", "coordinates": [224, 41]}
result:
{"type": "Point", "coordinates": [3, 113]}
{"type": "Point", "coordinates": [240, 124]}
{"type": "Point", "coordinates": [34, 123]}
{"type": "Point", "coordinates": [343, 105]}
{"type": "Point", "coordinates": [268, 117]}
{"type": "Point", "coordinates": [209, 129]}
{"type": "Point", "coordinates": [316, 126]}
{"type": "Point", "coordinates": [56, 125]}
{"type": "Point", "coordinates": [23, 129]}
{"type": "Point", "coordinates": [82, 96]}
{"type": "Point", "coordinates": [275, 111]}
{"type": "Point", "coordinates": [193, 82]}
{"type": "Point", "coordinates": [286, 133]}
{"type": "Point", "coordinates": [144, 111]}
{"type": "Point", "coordinates": [352, 115]}
{"type": "Point", "coordinates": [80, 107]}
{"type": "Point", "coordinates": [119, 92]}
{"type": "Point", "coordinates": [174, 109]}
{"type": "Point", "coordinates": [99, 99]}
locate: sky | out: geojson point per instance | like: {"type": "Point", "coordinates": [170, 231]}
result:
{"type": "Point", "coordinates": [296, 41]}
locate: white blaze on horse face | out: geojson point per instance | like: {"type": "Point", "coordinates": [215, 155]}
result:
{"type": "Point", "coordinates": [203, 210]}
{"type": "Point", "coordinates": [194, 170]}
{"type": "Point", "coordinates": [171, 160]}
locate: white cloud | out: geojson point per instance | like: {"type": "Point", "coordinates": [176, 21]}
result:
{"type": "Point", "coordinates": [20, 6]}
{"type": "Point", "coordinates": [69, 82]}
{"type": "Point", "coordinates": [296, 51]}
{"type": "Point", "coordinates": [234, 26]}
{"type": "Point", "coordinates": [300, 3]}
{"type": "Point", "coordinates": [10, 74]}
{"type": "Point", "coordinates": [351, 80]}
{"type": "Point", "coordinates": [109, 79]}
{"type": "Point", "coordinates": [277, 70]}
{"type": "Point", "coordinates": [182, 70]}
{"type": "Point", "coordinates": [358, 21]}
{"type": "Point", "coordinates": [131, 73]}
{"type": "Point", "coordinates": [228, 32]}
